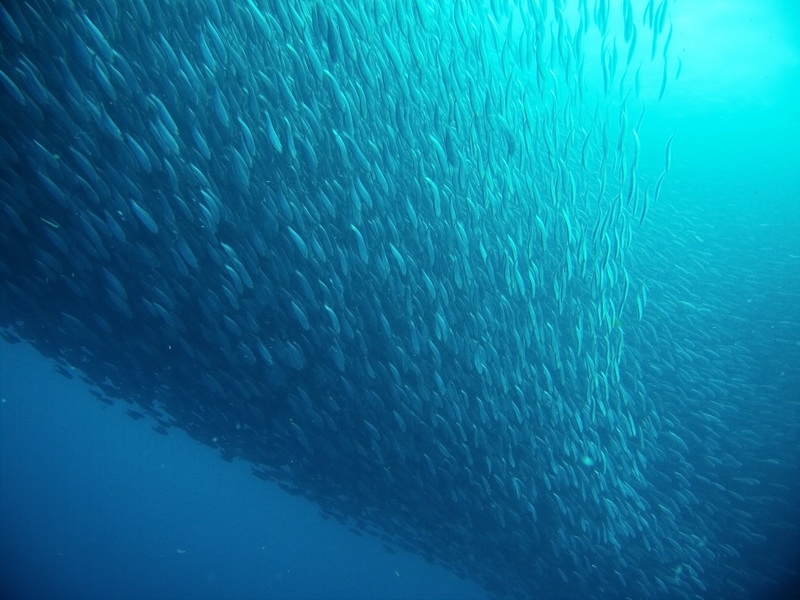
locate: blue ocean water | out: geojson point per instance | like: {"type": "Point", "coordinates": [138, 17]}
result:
{"type": "Point", "coordinates": [683, 480]}
{"type": "Point", "coordinates": [95, 505]}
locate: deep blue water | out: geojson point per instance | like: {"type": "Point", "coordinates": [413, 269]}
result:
{"type": "Point", "coordinates": [95, 505]}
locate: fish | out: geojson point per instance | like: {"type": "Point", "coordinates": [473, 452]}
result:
{"type": "Point", "coordinates": [389, 256]}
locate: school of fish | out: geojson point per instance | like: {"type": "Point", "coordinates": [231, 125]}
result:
{"type": "Point", "coordinates": [388, 252]}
